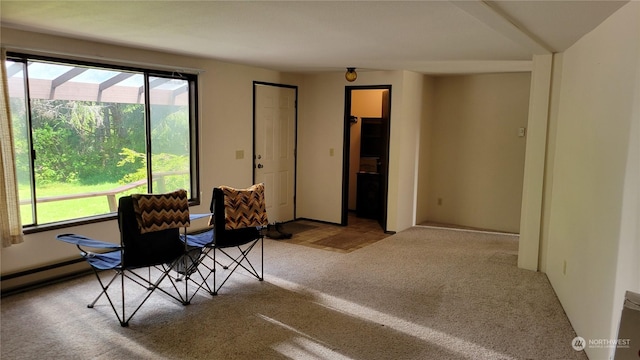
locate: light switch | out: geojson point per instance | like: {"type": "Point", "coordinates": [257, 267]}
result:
{"type": "Point", "coordinates": [239, 154]}
{"type": "Point", "coordinates": [331, 152]}
{"type": "Point", "coordinates": [522, 131]}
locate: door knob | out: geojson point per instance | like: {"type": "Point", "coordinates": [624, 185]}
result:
{"type": "Point", "coordinates": [260, 166]}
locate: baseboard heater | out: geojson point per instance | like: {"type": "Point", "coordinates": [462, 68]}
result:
{"type": "Point", "coordinates": [23, 283]}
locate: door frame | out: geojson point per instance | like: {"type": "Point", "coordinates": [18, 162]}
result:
{"type": "Point", "coordinates": [295, 137]}
{"type": "Point", "coordinates": [347, 152]}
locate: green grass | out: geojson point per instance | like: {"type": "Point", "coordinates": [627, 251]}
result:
{"type": "Point", "coordinates": [54, 211]}
{"type": "Point", "coordinates": [62, 210]}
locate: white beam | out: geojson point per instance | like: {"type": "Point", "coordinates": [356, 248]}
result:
{"type": "Point", "coordinates": [500, 21]}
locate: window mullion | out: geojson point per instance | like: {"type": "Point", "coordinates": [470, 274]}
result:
{"type": "Point", "coordinates": [147, 126]}
{"type": "Point", "coordinates": [194, 144]}
{"type": "Point", "coordinates": [32, 151]}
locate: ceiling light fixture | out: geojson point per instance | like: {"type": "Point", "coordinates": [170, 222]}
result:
{"type": "Point", "coordinates": [351, 74]}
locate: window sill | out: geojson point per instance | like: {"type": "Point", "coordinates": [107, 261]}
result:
{"type": "Point", "coordinates": [32, 229]}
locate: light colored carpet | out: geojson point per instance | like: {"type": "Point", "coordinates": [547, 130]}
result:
{"type": "Point", "coordinates": [420, 294]}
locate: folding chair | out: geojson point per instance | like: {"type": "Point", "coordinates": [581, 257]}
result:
{"type": "Point", "coordinates": [239, 216]}
{"type": "Point", "coordinates": [149, 239]}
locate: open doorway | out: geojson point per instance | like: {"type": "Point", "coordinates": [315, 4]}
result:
{"type": "Point", "coordinates": [366, 152]}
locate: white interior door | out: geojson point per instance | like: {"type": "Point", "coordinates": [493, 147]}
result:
{"type": "Point", "coordinates": [274, 158]}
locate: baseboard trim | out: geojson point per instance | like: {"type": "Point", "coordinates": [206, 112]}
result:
{"type": "Point", "coordinates": [21, 278]}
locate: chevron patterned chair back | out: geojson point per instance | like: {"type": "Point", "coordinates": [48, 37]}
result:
{"type": "Point", "coordinates": [150, 227]}
{"type": "Point", "coordinates": [150, 249]}
{"type": "Point", "coordinates": [244, 208]}
{"type": "Point", "coordinates": [156, 212]}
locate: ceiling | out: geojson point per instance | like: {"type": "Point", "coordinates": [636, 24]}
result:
{"type": "Point", "coordinates": [431, 37]}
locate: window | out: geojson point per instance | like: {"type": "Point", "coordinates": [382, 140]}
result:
{"type": "Point", "coordinates": [87, 134]}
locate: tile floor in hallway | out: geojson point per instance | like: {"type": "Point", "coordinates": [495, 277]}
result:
{"type": "Point", "coordinates": [359, 233]}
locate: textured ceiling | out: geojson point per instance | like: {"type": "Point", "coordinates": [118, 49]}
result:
{"type": "Point", "coordinates": [311, 36]}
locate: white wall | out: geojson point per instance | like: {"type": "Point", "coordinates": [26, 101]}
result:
{"type": "Point", "coordinates": [320, 128]}
{"type": "Point", "coordinates": [405, 155]}
{"type": "Point", "coordinates": [593, 241]}
{"type": "Point", "coordinates": [424, 157]}
{"type": "Point", "coordinates": [534, 164]}
{"type": "Point", "coordinates": [550, 140]}
{"type": "Point", "coordinates": [476, 165]}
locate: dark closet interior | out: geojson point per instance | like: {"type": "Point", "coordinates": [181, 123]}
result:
{"type": "Point", "coordinates": [368, 193]}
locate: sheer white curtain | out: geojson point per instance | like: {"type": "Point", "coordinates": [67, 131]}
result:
{"type": "Point", "coordinates": [10, 225]}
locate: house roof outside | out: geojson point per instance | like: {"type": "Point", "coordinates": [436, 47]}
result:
{"type": "Point", "coordinates": [54, 81]}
